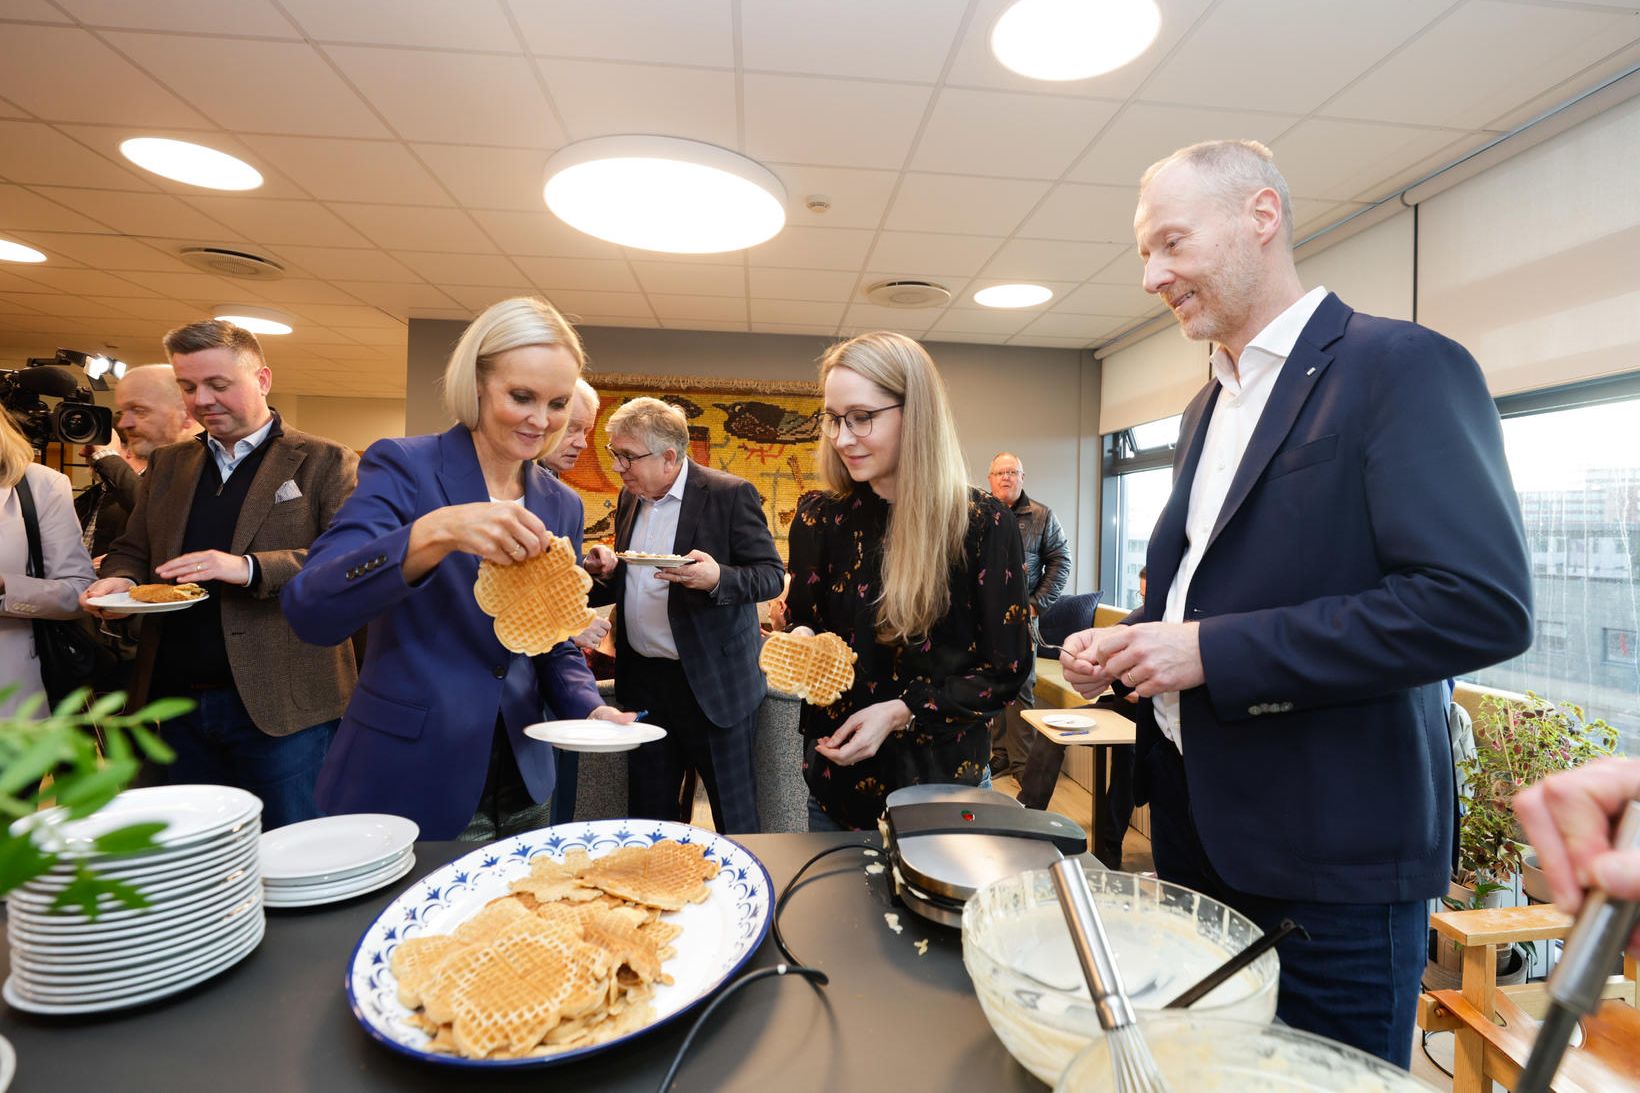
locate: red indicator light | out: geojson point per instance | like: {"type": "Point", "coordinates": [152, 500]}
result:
{"type": "Point", "coordinates": [969, 816]}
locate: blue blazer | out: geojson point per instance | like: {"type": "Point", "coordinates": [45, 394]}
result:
{"type": "Point", "coordinates": [1369, 548]}
{"type": "Point", "coordinates": [415, 740]}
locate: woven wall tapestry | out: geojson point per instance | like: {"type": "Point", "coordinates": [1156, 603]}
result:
{"type": "Point", "coordinates": [761, 431]}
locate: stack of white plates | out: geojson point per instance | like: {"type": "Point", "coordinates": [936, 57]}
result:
{"type": "Point", "coordinates": [204, 912]}
{"type": "Point", "coordinates": [335, 858]}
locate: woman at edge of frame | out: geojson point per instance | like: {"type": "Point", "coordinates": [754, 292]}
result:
{"type": "Point", "coordinates": [920, 574]}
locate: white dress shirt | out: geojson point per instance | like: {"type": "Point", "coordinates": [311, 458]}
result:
{"type": "Point", "coordinates": [655, 531]}
{"type": "Point", "coordinates": [1245, 392]}
{"type": "Point", "coordinates": [226, 461]}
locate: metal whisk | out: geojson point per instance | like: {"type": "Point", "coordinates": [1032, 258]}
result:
{"type": "Point", "coordinates": [1129, 1054]}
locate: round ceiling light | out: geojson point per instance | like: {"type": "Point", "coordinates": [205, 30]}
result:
{"type": "Point", "coordinates": [191, 163]}
{"type": "Point", "coordinates": [16, 252]}
{"type": "Point", "coordinates": [258, 320]}
{"type": "Point", "coordinates": [664, 194]}
{"type": "Point", "coordinates": [1073, 39]}
{"type": "Point", "coordinates": [1012, 296]}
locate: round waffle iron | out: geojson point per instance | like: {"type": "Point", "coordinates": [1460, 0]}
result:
{"type": "Point", "coordinates": [946, 842]}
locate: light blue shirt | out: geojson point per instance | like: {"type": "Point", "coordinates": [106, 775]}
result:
{"type": "Point", "coordinates": [226, 461]}
{"type": "Point", "coordinates": [655, 531]}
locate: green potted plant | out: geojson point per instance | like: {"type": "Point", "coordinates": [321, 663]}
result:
{"type": "Point", "coordinates": [1518, 742]}
{"type": "Point", "coordinates": [78, 756]}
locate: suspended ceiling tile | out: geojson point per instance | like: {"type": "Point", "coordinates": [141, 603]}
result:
{"type": "Point", "coordinates": [1330, 158]}
{"type": "Point", "coordinates": [864, 318]}
{"type": "Point", "coordinates": [801, 284]}
{"type": "Point", "coordinates": [275, 223]}
{"type": "Point", "coordinates": [688, 32]}
{"type": "Point", "coordinates": [904, 40]}
{"type": "Point", "coordinates": [690, 278]}
{"type": "Point", "coordinates": [398, 299]}
{"type": "Point", "coordinates": [859, 198]}
{"type": "Point", "coordinates": [441, 24]}
{"type": "Point", "coordinates": [1464, 70]}
{"type": "Point", "coordinates": [1146, 132]}
{"type": "Point", "coordinates": [346, 263]}
{"type": "Point", "coordinates": [1085, 327]}
{"type": "Point", "coordinates": [1003, 133]}
{"type": "Point", "coordinates": [603, 98]}
{"type": "Point", "coordinates": [463, 269]}
{"type": "Point", "coordinates": [1339, 42]}
{"type": "Point", "coordinates": [707, 308]}
{"type": "Point", "coordinates": [604, 303]}
{"type": "Point", "coordinates": [800, 247]}
{"type": "Point", "coordinates": [488, 178]}
{"type": "Point", "coordinates": [799, 312]}
{"type": "Point", "coordinates": [542, 235]}
{"type": "Point", "coordinates": [34, 153]}
{"type": "Point", "coordinates": [832, 132]}
{"type": "Point", "coordinates": [729, 326]}
{"type": "Point", "coordinates": [251, 18]}
{"type": "Point", "coordinates": [66, 74]}
{"type": "Point", "coordinates": [959, 203]}
{"type": "Point", "coordinates": [380, 172]}
{"type": "Point", "coordinates": [254, 86]}
{"type": "Point", "coordinates": [299, 290]}
{"type": "Point", "coordinates": [822, 330]}
{"type": "Point", "coordinates": [1100, 299]}
{"type": "Point", "coordinates": [462, 98]}
{"type": "Point", "coordinates": [106, 140]}
{"type": "Point", "coordinates": [980, 320]}
{"type": "Point", "coordinates": [1084, 213]}
{"type": "Point", "coordinates": [963, 254]}
{"type": "Point", "coordinates": [602, 274]}
{"type": "Point", "coordinates": [1049, 259]}
{"type": "Point", "coordinates": [396, 227]}
{"type": "Point", "coordinates": [138, 213]}
{"type": "Point", "coordinates": [87, 282]}
{"type": "Point", "coordinates": [1039, 341]}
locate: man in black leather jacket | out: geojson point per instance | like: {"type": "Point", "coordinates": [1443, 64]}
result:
{"type": "Point", "coordinates": [1047, 571]}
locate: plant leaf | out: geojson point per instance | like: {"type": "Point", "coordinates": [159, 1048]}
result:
{"type": "Point", "coordinates": [105, 706]}
{"type": "Point", "coordinates": [41, 757]}
{"type": "Point", "coordinates": [130, 838]}
{"type": "Point", "coordinates": [163, 709]}
{"type": "Point", "coordinates": [21, 860]}
{"type": "Point", "coordinates": [87, 889]}
{"type": "Point", "coordinates": [151, 744]}
{"type": "Point", "coordinates": [89, 792]}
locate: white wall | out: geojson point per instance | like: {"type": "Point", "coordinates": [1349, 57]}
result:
{"type": "Point", "coordinates": [354, 422]}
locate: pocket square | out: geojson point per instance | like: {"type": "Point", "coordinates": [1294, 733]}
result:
{"type": "Point", "coordinates": [288, 492]}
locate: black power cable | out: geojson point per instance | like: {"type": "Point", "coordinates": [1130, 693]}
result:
{"type": "Point", "coordinates": [794, 967]}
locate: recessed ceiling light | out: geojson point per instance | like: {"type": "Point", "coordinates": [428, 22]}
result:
{"type": "Point", "coordinates": [258, 320]}
{"type": "Point", "coordinates": [1012, 296]}
{"type": "Point", "coordinates": [1073, 39]}
{"type": "Point", "coordinates": [664, 194]}
{"type": "Point", "coordinates": [191, 163]}
{"type": "Point", "coordinates": [16, 252]}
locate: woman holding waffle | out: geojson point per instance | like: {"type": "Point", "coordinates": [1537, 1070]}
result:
{"type": "Point", "coordinates": [434, 730]}
{"type": "Point", "coordinates": [921, 575]}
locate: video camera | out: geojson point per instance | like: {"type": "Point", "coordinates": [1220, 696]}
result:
{"type": "Point", "coordinates": [75, 420]}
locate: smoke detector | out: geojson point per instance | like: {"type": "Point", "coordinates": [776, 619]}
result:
{"type": "Point", "coordinates": [908, 294]}
{"type": "Point", "coordinates": [232, 263]}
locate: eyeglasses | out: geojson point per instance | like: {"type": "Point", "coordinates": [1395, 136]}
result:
{"type": "Point", "coordinates": [858, 421]}
{"type": "Point", "coordinates": [1004, 474]}
{"type": "Point", "coordinates": [622, 461]}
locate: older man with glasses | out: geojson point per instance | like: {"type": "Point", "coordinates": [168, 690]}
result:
{"type": "Point", "coordinates": [686, 635]}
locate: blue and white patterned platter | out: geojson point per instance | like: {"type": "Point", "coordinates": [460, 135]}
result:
{"type": "Point", "coordinates": [719, 935]}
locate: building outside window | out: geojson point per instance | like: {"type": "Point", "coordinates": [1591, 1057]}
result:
{"type": "Point", "coordinates": [1139, 477]}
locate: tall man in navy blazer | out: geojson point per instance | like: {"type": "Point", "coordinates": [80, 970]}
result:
{"type": "Point", "coordinates": [1342, 536]}
{"type": "Point", "coordinates": [686, 638]}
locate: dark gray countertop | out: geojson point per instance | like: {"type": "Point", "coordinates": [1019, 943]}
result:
{"type": "Point", "coordinates": [279, 1020]}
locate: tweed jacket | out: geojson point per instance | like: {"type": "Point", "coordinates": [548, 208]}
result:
{"type": "Point", "coordinates": [286, 684]}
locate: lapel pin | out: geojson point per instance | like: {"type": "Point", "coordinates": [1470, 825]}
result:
{"type": "Point", "coordinates": [1311, 372]}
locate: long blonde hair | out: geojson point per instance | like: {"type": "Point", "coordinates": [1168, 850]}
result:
{"type": "Point", "coordinates": [929, 518]}
{"type": "Point", "coordinates": [15, 451]}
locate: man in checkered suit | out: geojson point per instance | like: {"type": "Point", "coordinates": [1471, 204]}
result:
{"type": "Point", "coordinates": [686, 636]}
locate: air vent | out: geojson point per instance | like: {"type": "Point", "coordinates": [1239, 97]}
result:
{"type": "Point", "coordinates": [908, 294]}
{"type": "Point", "coordinates": [232, 263]}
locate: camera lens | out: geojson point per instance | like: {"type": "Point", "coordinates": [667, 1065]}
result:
{"type": "Point", "coordinates": [77, 424]}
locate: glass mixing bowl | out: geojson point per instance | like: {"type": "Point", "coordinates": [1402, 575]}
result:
{"type": "Point", "coordinates": [1201, 1054]}
{"type": "Point", "coordinates": [1166, 937]}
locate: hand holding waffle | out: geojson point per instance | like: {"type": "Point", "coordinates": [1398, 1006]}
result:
{"type": "Point", "coordinates": [536, 603]}
{"type": "Point", "coordinates": [817, 668]}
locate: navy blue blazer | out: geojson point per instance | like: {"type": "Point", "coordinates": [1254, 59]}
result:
{"type": "Point", "coordinates": [717, 633]}
{"type": "Point", "coordinates": [1370, 547]}
{"type": "Point", "coordinates": [415, 740]}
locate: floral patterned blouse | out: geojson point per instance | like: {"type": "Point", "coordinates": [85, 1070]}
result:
{"type": "Point", "coordinates": [974, 661]}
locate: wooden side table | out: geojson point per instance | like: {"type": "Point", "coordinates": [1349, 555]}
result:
{"type": "Point", "coordinates": [1104, 730]}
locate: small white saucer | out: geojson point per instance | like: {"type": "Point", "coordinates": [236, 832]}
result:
{"type": "Point", "coordinates": [1067, 721]}
{"type": "Point", "coordinates": [595, 735]}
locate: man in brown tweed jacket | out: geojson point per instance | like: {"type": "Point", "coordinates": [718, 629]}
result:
{"type": "Point", "coordinates": [235, 511]}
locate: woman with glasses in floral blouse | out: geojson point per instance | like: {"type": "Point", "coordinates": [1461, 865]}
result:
{"type": "Point", "coordinates": [921, 575]}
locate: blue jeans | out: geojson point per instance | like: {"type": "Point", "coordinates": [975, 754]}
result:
{"type": "Point", "coordinates": [819, 821]}
{"type": "Point", "coordinates": [1356, 978]}
{"type": "Point", "coordinates": [219, 744]}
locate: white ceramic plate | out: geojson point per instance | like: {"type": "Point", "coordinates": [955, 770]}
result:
{"type": "Point", "coordinates": [334, 847]}
{"type": "Point", "coordinates": [188, 891]}
{"type": "Point", "coordinates": [595, 735]}
{"type": "Point", "coordinates": [158, 869]}
{"type": "Point", "coordinates": [158, 946]}
{"type": "Point", "coordinates": [191, 814]}
{"type": "Point", "coordinates": [663, 561]}
{"type": "Point", "coordinates": [718, 937]}
{"type": "Point", "coordinates": [21, 1001]}
{"type": "Point", "coordinates": [365, 877]}
{"type": "Point", "coordinates": [275, 898]}
{"type": "Point", "coordinates": [122, 601]}
{"type": "Point", "coordinates": [50, 930]}
{"type": "Point", "coordinates": [38, 979]}
{"type": "Point", "coordinates": [1067, 721]}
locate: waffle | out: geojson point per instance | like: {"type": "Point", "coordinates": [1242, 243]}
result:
{"type": "Point", "coordinates": [569, 958]}
{"type": "Point", "coordinates": [167, 593]}
{"type": "Point", "coordinates": [817, 668]}
{"type": "Point", "coordinates": [538, 602]}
